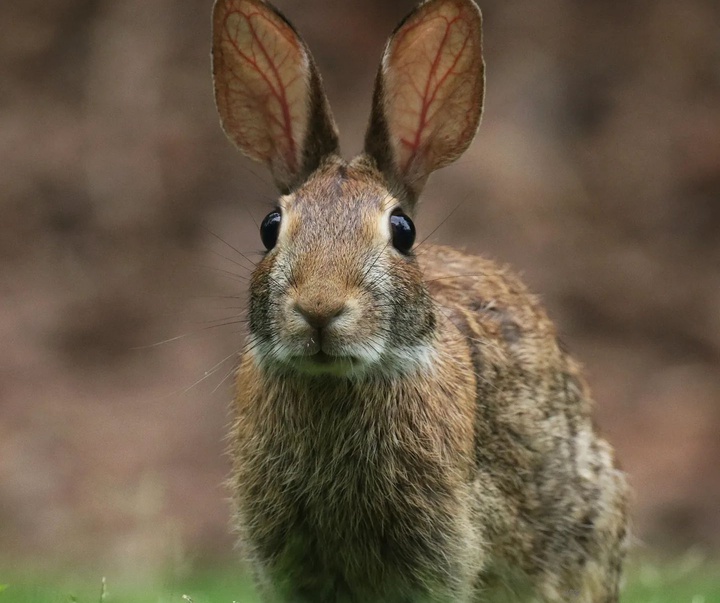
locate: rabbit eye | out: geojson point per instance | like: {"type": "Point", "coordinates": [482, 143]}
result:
{"type": "Point", "coordinates": [403, 231]}
{"type": "Point", "coordinates": [270, 228]}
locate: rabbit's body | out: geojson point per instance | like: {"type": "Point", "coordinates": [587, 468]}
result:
{"type": "Point", "coordinates": [408, 428]}
{"type": "Point", "coordinates": [391, 487]}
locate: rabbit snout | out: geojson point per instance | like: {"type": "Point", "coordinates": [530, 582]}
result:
{"type": "Point", "coordinates": [328, 327]}
{"type": "Point", "coordinates": [318, 314]}
{"type": "Point", "coordinates": [321, 321]}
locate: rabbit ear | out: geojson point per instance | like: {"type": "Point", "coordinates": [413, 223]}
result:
{"type": "Point", "coordinates": [428, 92]}
{"type": "Point", "coordinates": [268, 91]}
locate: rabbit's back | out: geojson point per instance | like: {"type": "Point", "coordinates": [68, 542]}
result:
{"type": "Point", "coordinates": [558, 499]}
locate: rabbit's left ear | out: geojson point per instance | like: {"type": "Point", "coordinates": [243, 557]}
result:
{"type": "Point", "coordinates": [268, 91]}
{"type": "Point", "coordinates": [428, 93]}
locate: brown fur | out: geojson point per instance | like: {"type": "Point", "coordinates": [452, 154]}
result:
{"type": "Point", "coordinates": [407, 427]}
{"type": "Point", "coordinates": [431, 487]}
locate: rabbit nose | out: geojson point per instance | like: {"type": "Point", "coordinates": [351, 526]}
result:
{"type": "Point", "coordinates": [319, 316]}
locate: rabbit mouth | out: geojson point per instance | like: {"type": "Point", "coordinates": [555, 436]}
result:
{"type": "Point", "coordinates": [323, 363]}
{"type": "Point", "coordinates": [323, 358]}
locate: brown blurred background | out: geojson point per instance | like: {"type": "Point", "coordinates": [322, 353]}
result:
{"type": "Point", "coordinates": [596, 174]}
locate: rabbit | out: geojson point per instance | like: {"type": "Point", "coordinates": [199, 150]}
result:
{"type": "Point", "coordinates": [407, 426]}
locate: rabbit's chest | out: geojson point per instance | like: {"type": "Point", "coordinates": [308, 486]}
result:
{"type": "Point", "coordinates": [349, 508]}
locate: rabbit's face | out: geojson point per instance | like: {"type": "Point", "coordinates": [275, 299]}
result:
{"type": "Point", "coordinates": [336, 292]}
{"type": "Point", "coordinates": [334, 295]}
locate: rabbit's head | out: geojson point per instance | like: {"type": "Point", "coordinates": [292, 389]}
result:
{"type": "Point", "coordinates": [339, 290]}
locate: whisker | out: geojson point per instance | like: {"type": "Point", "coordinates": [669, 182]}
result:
{"type": "Point", "coordinates": [388, 197]}
{"type": "Point", "coordinates": [223, 272]}
{"type": "Point", "coordinates": [189, 334]}
{"type": "Point", "coordinates": [227, 323]}
{"type": "Point", "coordinates": [219, 238]}
{"type": "Point", "coordinates": [372, 265]}
{"type": "Point", "coordinates": [209, 373]}
{"type": "Point", "coordinates": [434, 230]}
{"type": "Point", "coordinates": [238, 264]}
{"type": "Point", "coordinates": [237, 318]}
{"type": "Point", "coordinates": [229, 373]}
{"type": "Point", "coordinates": [157, 344]}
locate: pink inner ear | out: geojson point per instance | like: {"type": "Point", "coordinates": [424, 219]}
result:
{"type": "Point", "coordinates": [433, 86]}
{"type": "Point", "coordinates": [261, 84]}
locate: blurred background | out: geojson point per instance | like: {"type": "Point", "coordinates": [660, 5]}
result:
{"type": "Point", "coordinates": [596, 174]}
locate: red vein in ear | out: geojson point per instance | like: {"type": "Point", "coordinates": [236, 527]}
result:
{"type": "Point", "coordinates": [428, 97]}
{"type": "Point", "coordinates": [425, 56]}
{"type": "Point", "coordinates": [272, 78]}
{"type": "Point", "coordinates": [433, 84]}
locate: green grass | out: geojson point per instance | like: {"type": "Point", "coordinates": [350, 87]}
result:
{"type": "Point", "coordinates": [689, 579]}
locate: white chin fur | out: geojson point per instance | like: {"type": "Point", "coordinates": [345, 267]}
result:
{"type": "Point", "coordinates": [378, 360]}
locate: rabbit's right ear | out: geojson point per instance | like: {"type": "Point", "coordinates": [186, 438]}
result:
{"type": "Point", "coordinates": [268, 91]}
{"type": "Point", "coordinates": [428, 93]}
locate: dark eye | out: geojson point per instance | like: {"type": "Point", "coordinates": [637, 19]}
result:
{"type": "Point", "coordinates": [270, 228]}
{"type": "Point", "coordinates": [403, 231]}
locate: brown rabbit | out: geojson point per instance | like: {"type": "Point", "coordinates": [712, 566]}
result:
{"type": "Point", "coordinates": [408, 428]}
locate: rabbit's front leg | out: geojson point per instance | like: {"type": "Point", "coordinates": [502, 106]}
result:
{"type": "Point", "coordinates": [592, 582]}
